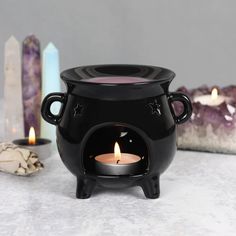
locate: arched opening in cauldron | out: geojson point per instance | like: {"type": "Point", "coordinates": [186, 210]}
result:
{"type": "Point", "coordinates": [100, 157]}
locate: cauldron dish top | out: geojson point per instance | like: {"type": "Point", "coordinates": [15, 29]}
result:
{"type": "Point", "coordinates": [155, 81]}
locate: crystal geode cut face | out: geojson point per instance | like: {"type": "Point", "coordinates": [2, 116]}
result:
{"type": "Point", "coordinates": [210, 128]}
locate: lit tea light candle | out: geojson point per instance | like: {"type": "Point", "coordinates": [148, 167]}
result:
{"type": "Point", "coordinates": [211, 100]}
{"type": "Point", "coordinates": [117, 163]}
{"type": "Point", "coordinates": [40, 146]}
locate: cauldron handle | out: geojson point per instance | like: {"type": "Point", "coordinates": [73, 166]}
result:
{"type": "Point", "coordinates": [46, 107]}
{"type": "Point", "coordinates": [187, 112]}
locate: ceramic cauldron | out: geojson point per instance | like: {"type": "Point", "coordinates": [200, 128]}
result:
{"type": "Point", "coordinates": [125, 104]}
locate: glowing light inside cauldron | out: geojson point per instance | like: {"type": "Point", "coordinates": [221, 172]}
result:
{"type": "Point", "coordinates": [117, 152]}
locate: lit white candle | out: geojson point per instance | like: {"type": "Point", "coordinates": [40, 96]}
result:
{"type": "Point", "coordinates": [211, 100]}
{"type": "Point", "coordinates": [117, 163]}
{"type": "Point", "coordinates": [40, 146]}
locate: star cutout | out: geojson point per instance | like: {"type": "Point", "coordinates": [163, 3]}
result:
{"type": "Point", "coordinates": [155, 108]}
{"type": "Point", "coordinates": [78, 110]}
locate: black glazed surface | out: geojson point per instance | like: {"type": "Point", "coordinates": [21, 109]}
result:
{"type": "Point", "coordinates": [142, 107]}
{"type": "Point", "coordinates": [158, 80]}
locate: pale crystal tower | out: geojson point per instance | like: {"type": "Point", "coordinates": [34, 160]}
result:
{"type": "Point", "coordinates": [50, 83]}
{"type": "Point", "coordinates": [31, 82]}
{"type": "Point", "coordinates": [13, 106]}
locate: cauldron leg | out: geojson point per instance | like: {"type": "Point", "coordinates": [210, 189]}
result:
{"type": "Point", "coordinates": [151, 187]}
{"type": "Point", "coordinates": [85, 187]}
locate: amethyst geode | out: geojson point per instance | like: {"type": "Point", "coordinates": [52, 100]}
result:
{"type": "Point", "coordinates": [210, 128]}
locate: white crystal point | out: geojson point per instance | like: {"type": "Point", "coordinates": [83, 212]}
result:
{"type": "Point", "coordinates": [50, 48]}
{"type": "Point", "coordinates": [11, 40]}
{"type": "Point", "coordinates": [12, 46]}
{"type": "Point", "coordinates": [13, 107]}
{"type": "Point", "coordinates": [17, 160]}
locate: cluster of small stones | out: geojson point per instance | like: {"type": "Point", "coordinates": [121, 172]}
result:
{"type": "Point", "coordinates": [17, 160]}
{"type": "Point", "coordinates": [210, 128]}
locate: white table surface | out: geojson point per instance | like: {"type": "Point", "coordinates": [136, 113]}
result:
{"type": "Point", "coordinates": [198, 197]}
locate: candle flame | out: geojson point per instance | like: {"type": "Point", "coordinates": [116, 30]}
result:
{"type": "Point", "coordinates": [214, 93]}
{"type": "Point", "coordinates": [14, 130]}
{"type": "Point", "coordinates": [117, 152]}
{"type": "Point", "coordinates": [32, 138]}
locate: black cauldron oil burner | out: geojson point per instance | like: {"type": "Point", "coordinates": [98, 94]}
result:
{"type": "Point", "coordinates": [116, 127]}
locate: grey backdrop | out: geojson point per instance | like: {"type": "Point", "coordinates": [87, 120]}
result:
{"type": "Point", "coordinates": [196, 39]}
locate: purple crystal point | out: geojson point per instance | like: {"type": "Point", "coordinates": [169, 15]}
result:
{"type": "Point", "coordinates": [31, 83]}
